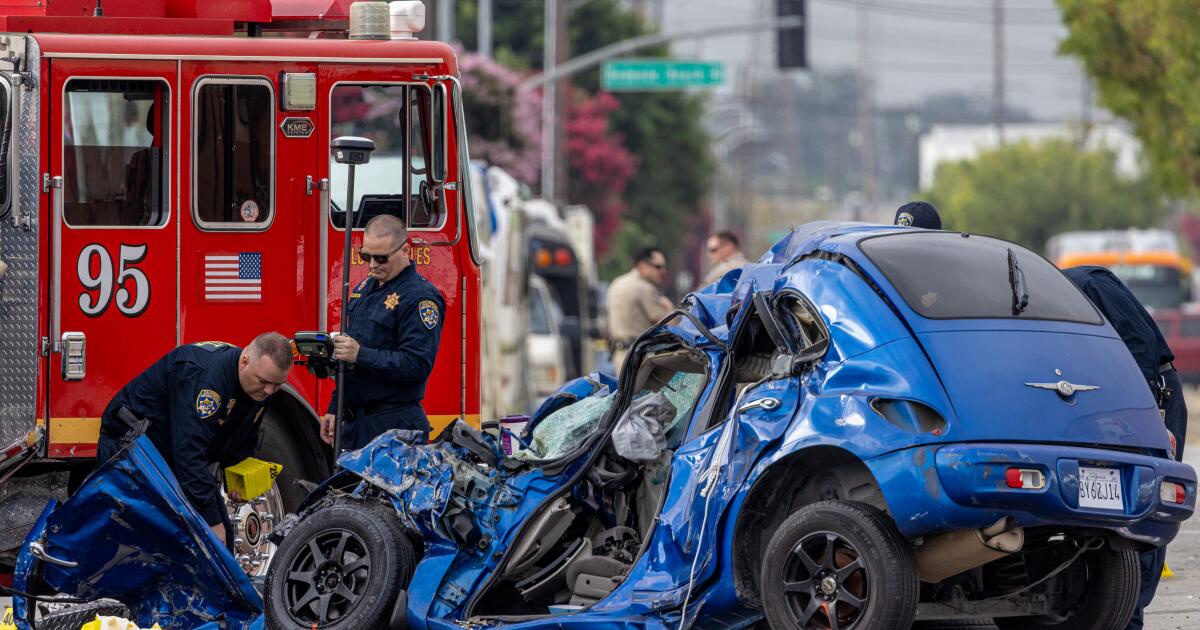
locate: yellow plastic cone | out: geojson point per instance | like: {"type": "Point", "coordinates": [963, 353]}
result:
{"type": "Point", "coordinates": [1167, 572]}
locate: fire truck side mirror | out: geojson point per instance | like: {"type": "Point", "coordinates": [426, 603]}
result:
{"type": "Point", "coordinates": [438, 122]}
{"type": "Point", "coordinates": [352, 150]}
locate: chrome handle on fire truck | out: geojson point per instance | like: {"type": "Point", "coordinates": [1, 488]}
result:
{"type": "Point", "coordinates": [56, 204]}
{"type": "Point", "coordinates": [74, 359]}
{"type": "Point", "coordinates": [38, 550]}
{"type": "Point", "coordinates": [323, 246]}
{"type": "Point", "coordinates": [309, 185]}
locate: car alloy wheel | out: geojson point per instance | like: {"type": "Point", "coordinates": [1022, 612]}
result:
{"type": "Point", "coordinates": [838, 565]}
{"type": "Point", "coordinates": [825, 581]}
{"type": "Point", "coordinates": [327, 577]}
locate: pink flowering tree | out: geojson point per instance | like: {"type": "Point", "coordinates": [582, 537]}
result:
{"type": "Point", "coordinates": [601, 164]}
{"type": "Point", "coordinates": [504, 125]}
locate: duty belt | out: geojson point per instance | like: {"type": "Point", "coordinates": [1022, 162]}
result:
{"type": "Point", "coordinates": [371, 409]}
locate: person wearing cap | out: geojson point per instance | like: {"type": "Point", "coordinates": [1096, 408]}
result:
{"type": "Point", "coordinates": [918, 214]}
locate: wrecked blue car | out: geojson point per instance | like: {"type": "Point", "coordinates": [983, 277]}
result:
{"type": "Point", "coordinates": [869, 426]}
{"type": "Point", "coordinates": [130, 542]}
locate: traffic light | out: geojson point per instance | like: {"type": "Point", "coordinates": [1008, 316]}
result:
{"type": "Point", "coordinates": [792, 43]}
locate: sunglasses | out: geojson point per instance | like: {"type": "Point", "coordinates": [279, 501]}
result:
{"type": "Point", "coordinates": [378, 258]}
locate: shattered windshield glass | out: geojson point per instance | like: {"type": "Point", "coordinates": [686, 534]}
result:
{"type": "Point", "coordinates": [566, 429]}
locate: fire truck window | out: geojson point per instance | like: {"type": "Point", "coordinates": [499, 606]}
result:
{"type": "Point", "coordinates": [233, 154]}
{"type": "Point", "coordinates": [114, 144]}
{"type": "Point", "coordinates": [378, 112]}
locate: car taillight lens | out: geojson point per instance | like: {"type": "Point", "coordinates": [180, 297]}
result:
{"type": "Point", "coordinates": [1171, 492]}
{"type": "Point", "coordinates": [1024, 478]}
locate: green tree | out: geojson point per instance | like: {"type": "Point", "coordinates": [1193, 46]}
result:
{"type": "Point", "coordinates": [1144, 57]}
{"type": "Point", "coordinates": [1028, 192]}
{"type": "Point", "coordinates": [662, 129]}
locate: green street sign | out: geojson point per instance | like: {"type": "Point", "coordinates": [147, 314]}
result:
{"type": "Point", "coordinates": [630, 75]}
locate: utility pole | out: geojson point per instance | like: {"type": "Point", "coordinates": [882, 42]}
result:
{"type": "Point", "coordinates": [866, 114]}
{"type": "Point", "coordinates": [998, 67]}
{"type": "Point", "coordinates": [445, 20]}
{"type": "Point", "coordinates": [554, 105]}
{"type": "Point", "coordinates": [484, 27]}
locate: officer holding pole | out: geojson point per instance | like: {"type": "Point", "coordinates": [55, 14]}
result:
{"type": "Point", "coordinates": [390, 332]}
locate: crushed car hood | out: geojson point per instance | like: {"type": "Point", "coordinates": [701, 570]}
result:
{"type": "Point", "coordinates": [136, 539]}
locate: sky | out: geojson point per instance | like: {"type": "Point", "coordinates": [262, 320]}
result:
{"type": "Point", "coordinates": [916, 47]}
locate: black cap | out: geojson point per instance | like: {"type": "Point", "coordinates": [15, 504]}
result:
{"type": "Point", "coordinates": [918, 214]}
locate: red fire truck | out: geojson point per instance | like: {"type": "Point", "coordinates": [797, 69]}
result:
{"type": "Point", "coordinates": [167, 179]}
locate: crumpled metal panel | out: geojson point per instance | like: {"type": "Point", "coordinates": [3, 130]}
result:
{"type": "Point", "coordinates": [19, 287]}
{"type": "Point", "coordinates": [136, 539]}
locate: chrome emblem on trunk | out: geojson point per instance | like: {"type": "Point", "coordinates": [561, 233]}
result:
{"type": "Point", "coordinates": [1063, 388]}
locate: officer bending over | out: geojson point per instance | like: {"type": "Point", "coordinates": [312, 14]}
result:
{"type": "Point", "coordinates": [204, 403]}
{"type": "Point", "coordinates": [394, 326]}
{"type": "Point", "coordinates": [1145, 342]}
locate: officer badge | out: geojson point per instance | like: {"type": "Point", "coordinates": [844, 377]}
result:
{"type": "Point", "coordinates": [905, 219]}
{"type": "Point", "coordinates": [391, 301]}
{"type": "Point", "coordinates": [429, 313]}
{"type": "Point", "coordinates": [207, 403]}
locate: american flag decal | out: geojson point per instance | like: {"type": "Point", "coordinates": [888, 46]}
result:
{"type": "Point", "coordinates": [233, 277]}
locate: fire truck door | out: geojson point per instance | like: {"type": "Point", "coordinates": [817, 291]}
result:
{"type": "Point", "coordinates": [113, 297]}
{"type": "Point", "coordinates": [361, 105]}
{"type": "Point", "coordinates": [249, 240]}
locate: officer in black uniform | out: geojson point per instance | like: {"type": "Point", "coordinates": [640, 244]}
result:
{"type": "Point", "coordinates": [394, 328]}
{"type": "Point", "coordinates": [1145, 342]}
{"type": "Point", "coordinates": [203, 404]}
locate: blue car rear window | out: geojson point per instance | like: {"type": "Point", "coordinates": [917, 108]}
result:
{"type": "Point", "coordinates": [947, 275]}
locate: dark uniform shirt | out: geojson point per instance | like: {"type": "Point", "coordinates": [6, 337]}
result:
{"type": "Point", "coordinates": [198, 416]}
{"type": "Point", "coordinates": [1127, 315]}
{"type": "Point", "coordinates": [398, 326]}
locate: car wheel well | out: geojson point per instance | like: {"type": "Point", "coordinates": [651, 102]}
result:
{"type": "Point", "coordinates": [809, 475]}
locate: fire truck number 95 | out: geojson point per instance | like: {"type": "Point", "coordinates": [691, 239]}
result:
{"type": "Point", "coordinates": [130, 303]}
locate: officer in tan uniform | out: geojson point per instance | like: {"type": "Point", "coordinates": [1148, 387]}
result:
{"type": "Point", "coordinates": [725, 255]}
{"type": "Point", "coordinates": [635, 303]}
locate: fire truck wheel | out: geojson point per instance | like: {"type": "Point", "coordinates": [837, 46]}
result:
{"type": "Point", "coordinates": [279, 446]}
{"type": "Point", "coordinates": [340, 568]}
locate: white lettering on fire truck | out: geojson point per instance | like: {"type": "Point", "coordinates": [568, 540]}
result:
{"type": "Point", "coordinates": [103, 281]}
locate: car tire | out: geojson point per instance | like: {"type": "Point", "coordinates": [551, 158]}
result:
{"type": "Point", "coordinates": [340, 568]}
{"type": "Point", "coordinates": [838, 558]}
{"type": "Point", "coordinates": [1113, 578]}
{"type": "Point", "coordinates": [74, 617]}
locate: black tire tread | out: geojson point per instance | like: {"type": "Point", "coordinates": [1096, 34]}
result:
{"type": "Point", "coordinates": [1110, 608]}
{"type": "Point", "coordinates": [900, 573]}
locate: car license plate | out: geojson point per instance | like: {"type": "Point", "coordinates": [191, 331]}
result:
{"type": "Point", "coordinates": [1100, 488]}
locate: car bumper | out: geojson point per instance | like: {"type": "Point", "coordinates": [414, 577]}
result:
{"type": "Point", "coordinates": [932, 489]}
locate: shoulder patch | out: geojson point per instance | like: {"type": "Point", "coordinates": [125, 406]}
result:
{"type": "Point", "coordinates": [212, 345]}
{"type": "Point", "coordinates": [428, 309]}
{"type": "Point", "coordinates": [207, 403]}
